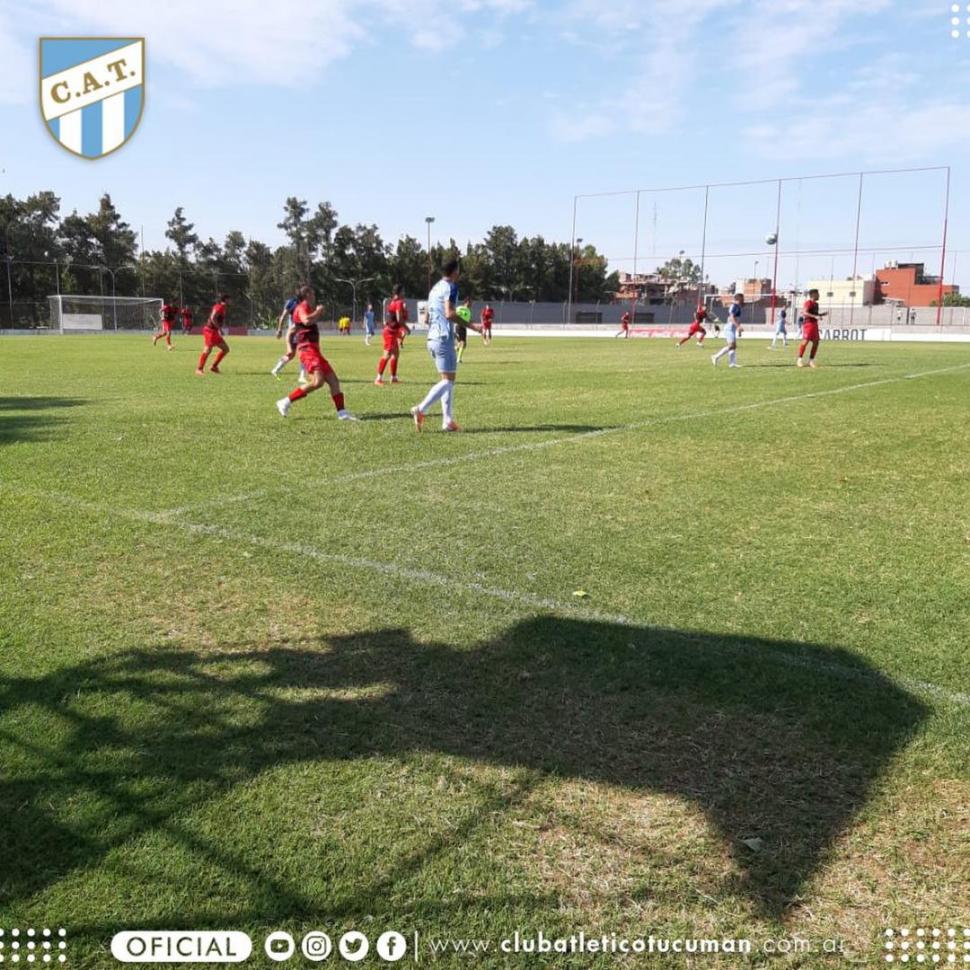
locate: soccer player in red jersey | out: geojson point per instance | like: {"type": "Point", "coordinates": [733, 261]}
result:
{"type": "Point", "coordinates": [486, 321]}
{"type": "Point", "coordinates": [212, 335]}
{"type": "Point", "coordinates": [165, 325]}
{"type": "Point", "coordinates": [810, 334]}
{"type": "Point", "coordinates": [624, 330]}
{"type": "Point", "coordinates": [696, 327]}
{"type": "Point", "coordinates": [395, 329]}
{"type": "Point", "coordinates": [307, 339]}
{"type": "Point", "coordinates": [186, 314]}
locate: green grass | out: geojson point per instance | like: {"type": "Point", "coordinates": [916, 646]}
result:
{"type": "Point", "coordinates": [260, 674]}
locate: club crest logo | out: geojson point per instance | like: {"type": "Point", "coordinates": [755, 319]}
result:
{"type": "Point", "coordinates": [92, 91]}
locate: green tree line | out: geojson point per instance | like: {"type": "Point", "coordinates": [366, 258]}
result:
{"type": "Point", "coordinates": [46, 252]}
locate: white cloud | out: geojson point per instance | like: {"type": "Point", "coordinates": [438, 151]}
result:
{"type": "Point", "coordinates": [868, 133]}
{"type": "Point", "coordinates": [223, 42]}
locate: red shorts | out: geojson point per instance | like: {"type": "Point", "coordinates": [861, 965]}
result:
{"type": "Point", "coordinates": [211, 338]}
{"type": "Point", "coordinates": [312, 360]}
{"type": "Point", "coordinates": [695, 328]}
{"type": "Point", "coordinates": [166, 326]}
{"type": "Point", "coordinates": [392, 339]}
{"type": "Point", "coordinates": [810, 332]}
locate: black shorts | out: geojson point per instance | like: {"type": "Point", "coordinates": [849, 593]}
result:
{"type": "Point", "coordinates": [461, 333]}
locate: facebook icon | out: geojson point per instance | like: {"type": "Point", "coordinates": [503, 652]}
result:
{"type": "Point", "coordinates": [391, 946]}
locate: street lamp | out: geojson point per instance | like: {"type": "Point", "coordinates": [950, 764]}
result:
{"type": "Point", "coordinates": [353, 285]}
{"type": "Point", "coordinates": [429, 220]}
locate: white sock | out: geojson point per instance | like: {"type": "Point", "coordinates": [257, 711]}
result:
{"type": "Point", "coordinates": [280, 364]}
{"type": "Point", "coordinates": [721, 353]}
{"type": "Point", "coordinates": [446, 401]}
{"type": "Point", "coordinates": [436, 392]}
{"type": "Point", "coordinates": [732, 357]}
{"type": "Point", "coordinates": [302, 376]}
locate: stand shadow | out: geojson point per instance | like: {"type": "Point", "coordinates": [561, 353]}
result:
{"type": "Point", "coordinates": [776, 741]}
{"type": "Point", "coordinates": [20, 420]}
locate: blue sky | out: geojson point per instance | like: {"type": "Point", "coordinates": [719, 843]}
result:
{"type": "Point", "coordinates": [498, 111]}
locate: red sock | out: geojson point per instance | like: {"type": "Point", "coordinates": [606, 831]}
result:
{"type": "Point", "coordinates": [381, 364]}
{"type": "Point", "coordinates": [814, 351]}
{"type": "Point", "coordinates": [297, 394]}
{"type": "Point", "coordinates": [801, 348]}
{"type": "Point", "coordinates": [338, 401]}
{"type": "Point", "coordinates": [219, 356]}
{"type": "Point", "coordinates": [168, 339]}
{"type": "Point", "coordinates": [394, 367]}
{"type": "Point", "coordinates": [203, 357]}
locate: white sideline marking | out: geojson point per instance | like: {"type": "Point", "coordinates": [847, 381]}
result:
{"type": "Point", "coordinates": [515, 597]}
{"type": "Point", "coordinates": [548, 443]}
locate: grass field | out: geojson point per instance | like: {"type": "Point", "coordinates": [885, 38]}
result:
{"type": "Point", "coordinates": [259, 674]}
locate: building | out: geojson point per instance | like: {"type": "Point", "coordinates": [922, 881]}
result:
{"type": "Point", "coordinates": [652, 289]}
{"type": "Point", "coordinates": [757, 292]}
{"type": "Point", "coordinates": [907, 283]}
{"type": "Point", "coordinates": [853, 291]}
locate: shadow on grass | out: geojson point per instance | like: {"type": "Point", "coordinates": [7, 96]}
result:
{"type": "Point", "coordinates": [790, 362]}
{"type": "Point", "coordinates": [564, 428]}
{"type": "Point", "coordinates": [19, 420]}
{"type": "Point", "coordinates": [776, 741]}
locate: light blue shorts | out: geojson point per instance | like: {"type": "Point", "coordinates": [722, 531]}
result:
{"type": "Point", "coordinates": [444, 355]}
{"type": "Point", "coordinates": [780, 329]}
{"type": "Point", "coordinates": [730, 334]}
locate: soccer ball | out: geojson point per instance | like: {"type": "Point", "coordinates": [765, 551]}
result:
{"type": "Point", "coordinates": [771, 239]}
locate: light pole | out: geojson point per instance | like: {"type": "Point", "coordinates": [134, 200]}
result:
{"type": "Point", "coordinates": [353, 284]}
{"type": "Point", "coordinates": [429, 220]}
{"type": "Point", "coordinates": [579, 265]}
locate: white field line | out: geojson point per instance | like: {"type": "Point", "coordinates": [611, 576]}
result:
{"type": "Point", "coordinates": [527, 601]}
{"type": "Point", "coordinates": [548, 443]}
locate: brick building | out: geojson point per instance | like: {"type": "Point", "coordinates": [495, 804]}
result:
{"type": "Point", "coordinates": [908, 283]}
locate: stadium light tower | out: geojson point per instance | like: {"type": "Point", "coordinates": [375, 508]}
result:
{"type": "Point", "coordinates": [429, 220]}
{"type": "Point", "coordinates": [577, 261]}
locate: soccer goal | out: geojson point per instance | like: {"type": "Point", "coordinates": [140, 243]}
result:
{"type": "Point", "coordinates": [89, 314]}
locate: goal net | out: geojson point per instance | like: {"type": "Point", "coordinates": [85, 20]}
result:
{"type": "Point", "coordinates": [88, 314]}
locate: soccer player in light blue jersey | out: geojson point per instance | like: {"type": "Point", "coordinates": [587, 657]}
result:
{"type": "Point", "coordinates": [443, 317]}
{"type": "Point", "coordinates": [781, 330]}
{"type": "Point", "coordinates": [732, 330]}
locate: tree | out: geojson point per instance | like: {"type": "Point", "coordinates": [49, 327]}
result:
{"type": "Point", "coordinates": [953, 299]}
{"type": "Point", "coordinates": [679, 270]}
{"type": "Point", "coordinates": [114, 239]}
{"type": "Point", "coordinates": [408, 266]}
{"type": "Point", "coordinates": [181, 233]}
{"type": "Point", "coordinates": [294, 225]}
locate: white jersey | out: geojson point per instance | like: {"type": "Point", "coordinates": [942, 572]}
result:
{"type": "Point", "coordinates": [442, 293]}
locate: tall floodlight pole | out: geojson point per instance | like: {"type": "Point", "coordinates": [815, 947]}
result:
{"type": "Point", "coordinates": [572, 256]}
{"type": "Point", "coordinates": [701, 288]}
{"type": "Point", "coordinates": [579, 264]}
{"type": "Point", "coordinates": [946, 220]}
{"type": "Point", "coordinates": [774, 274]}
{"type": "Point", "coordinates": [855, 251]}
{"type": "Point", "coordinates": [636, 247]}
{"type": "Point", "coordinates": [429, 220]}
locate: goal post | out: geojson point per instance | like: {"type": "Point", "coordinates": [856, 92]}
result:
{"type": "Point", "coordinates": [71, 313]}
